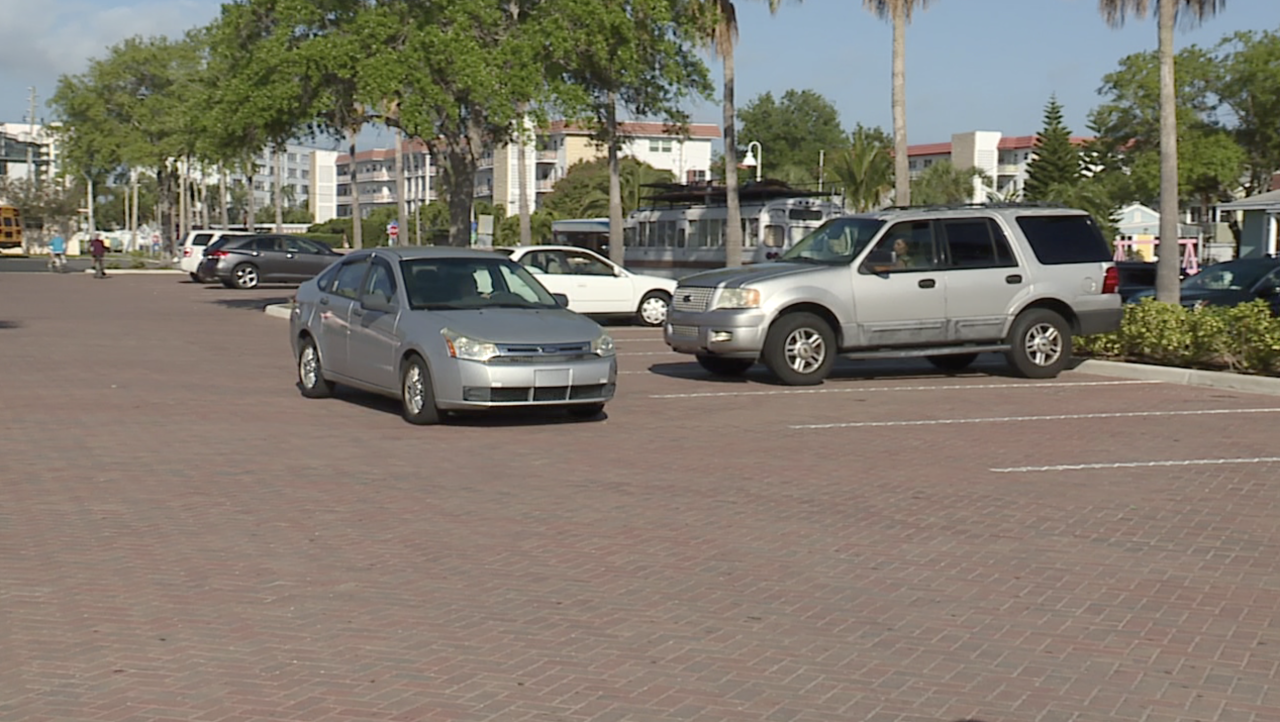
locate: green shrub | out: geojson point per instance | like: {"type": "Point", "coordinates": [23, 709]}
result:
{"type": "Point", "coordinates": [1243, 338]}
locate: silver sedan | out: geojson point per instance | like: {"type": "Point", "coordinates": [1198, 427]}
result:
{"type": "Point", "coordinates": [447, 329]}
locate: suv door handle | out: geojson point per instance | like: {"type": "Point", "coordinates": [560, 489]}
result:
{"type": "Point", "coordinates": [1015, 278]}
{"type": "Point", "coordinates": [324, 300]}
{"type": "Point", "coordinates": [927, 283]}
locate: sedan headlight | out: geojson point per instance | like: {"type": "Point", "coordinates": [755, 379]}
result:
{"type": "Point", "coordinates": [603, 346]}
{"type": "Point", "coordinates": [468, 349]}
{"type": "Point", "coordinates": [738, 298]}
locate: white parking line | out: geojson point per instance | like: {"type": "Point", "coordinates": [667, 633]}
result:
{"type": "Point", "coordinates": [1056, 417]}
{"type": "Point", "coordinates": [863, 389]}
{"type": "Point", "coordinates": [1137, 464]}
{"type": "Point", "coordinates": [647, 353]}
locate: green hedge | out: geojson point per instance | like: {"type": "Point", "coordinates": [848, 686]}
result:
{"type": "Point", "coordinates": [1243, 338]}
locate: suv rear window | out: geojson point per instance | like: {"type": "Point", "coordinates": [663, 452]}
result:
{"type": "Point", "coordinates": [1058, 240]}
{"type": "Point", "coordinates": [201, 239]}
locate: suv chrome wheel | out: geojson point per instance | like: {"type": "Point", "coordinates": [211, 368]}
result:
{"type": "Point", "coordinates": [1040, 344]}
{"type": "Point", "coordinates": [800, 349]}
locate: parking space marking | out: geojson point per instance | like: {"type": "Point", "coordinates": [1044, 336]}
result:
{"type": "Point", "coordinates": [647, 353]}
{"type": "Point", "coordinates": [1136, 464]}
{"type": "Point", "coordinates": [943, 387]}
{"type": "Point", "coordinates": [1055, 417]}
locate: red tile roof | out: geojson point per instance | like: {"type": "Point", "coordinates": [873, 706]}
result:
{"type": "Point", "coordinates": [1013, 142]}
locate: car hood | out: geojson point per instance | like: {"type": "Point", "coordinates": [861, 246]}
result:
{"type": "Point", "coordinates": [738, 277]}
{"type": "Point", "coordinates": [513, 325]}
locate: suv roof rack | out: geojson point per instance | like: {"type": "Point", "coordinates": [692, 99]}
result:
{"type": "Point", "coordinates": [967, 206]}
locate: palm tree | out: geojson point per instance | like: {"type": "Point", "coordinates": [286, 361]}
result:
{"type": "Point", "coordinates": [944, 184]}
{"type": "Point", "coordinates": [722, 25]}
{"type": "Point", "coordinates": [865, 169]}
{"type": "Point", "coordinates": [899, 11]}
{"type": "Point", "coordinates": [1168, 289]}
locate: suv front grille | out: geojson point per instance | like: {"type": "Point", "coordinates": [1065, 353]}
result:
{"type": "Point", "coordinates": [692, 298]}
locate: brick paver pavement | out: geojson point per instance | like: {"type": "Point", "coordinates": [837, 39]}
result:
{"type": "Point", "coordinates": [183, 537]}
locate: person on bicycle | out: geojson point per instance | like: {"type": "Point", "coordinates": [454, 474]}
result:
{"type": "Point", "coordinates": [58, 253]}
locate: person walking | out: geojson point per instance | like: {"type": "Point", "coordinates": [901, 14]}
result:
{"type": "Point", "coordinates": [99, 251]}
{"type": "Point", "coordinates": [58, 254]}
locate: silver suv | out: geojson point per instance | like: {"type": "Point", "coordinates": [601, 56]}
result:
{"type": "Point", "coordinates": [945, 283]}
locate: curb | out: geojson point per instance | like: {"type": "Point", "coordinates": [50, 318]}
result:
{"type": "Point", "coordinates": [139, 271]}
{"type": "Point", "coordinates": [279, 310]}
{"type": "Point", "coordinates": [1187, 377]}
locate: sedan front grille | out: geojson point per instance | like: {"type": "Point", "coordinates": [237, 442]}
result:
{"type": "Point", "coordinates": [535, 394]}
{"type": "Point", "coordinates": [695, 299]}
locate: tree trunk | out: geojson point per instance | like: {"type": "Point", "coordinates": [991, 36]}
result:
{"type": "Point", "coordinates": [182, 203]}
{"type": "Point", "coordinates": [357, 228]}
{"type": "Point", "coordinates": [402, 215]}
{"type": "Point", "coordinates": [133, 220]}
{"type": "Point", "coordinates": [1167, 283]}
{"type": "Point", "coordinates": [733, 221]}
{"type": "Point", "coordinates": [251, 200]}
{"type": "Point", "coordinates": [458, 173]}
{"type": "Point", "coordinates": [89, 199]}
{"type": "Point", "coordinates": [164, 182]}
{"type": "Point", "coordinates": [278, 161]}
{"type": "Point", "coordinates": [522, 180]}
{"type": "Point", "coordinates": [617, 247]}
{"type": "Point", "coordinates": [901, 163]}
{"type": "Point", "coordinates": [222, 197]}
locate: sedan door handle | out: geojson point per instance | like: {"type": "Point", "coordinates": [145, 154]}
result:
{"type": "Point", "coordinates": [357, 311]}
{"type": "Point", "coordinates": [927, 283]}
{"type": "Point", "coordinates": [1015, 278]}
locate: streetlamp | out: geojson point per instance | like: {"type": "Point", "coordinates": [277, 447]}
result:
{"type": "Point", "coordinates": [754, 161]}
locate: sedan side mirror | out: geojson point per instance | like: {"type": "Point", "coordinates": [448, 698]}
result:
{"type": "Point", "coordinates": [561, 299]}
{"type": "Point", "coordinates": [1268, 290]}
{"type": "Point", "coordinates": [378, 303]}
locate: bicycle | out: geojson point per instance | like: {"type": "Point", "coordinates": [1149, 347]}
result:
{"type": "Point", "coordinates": [58, 263]}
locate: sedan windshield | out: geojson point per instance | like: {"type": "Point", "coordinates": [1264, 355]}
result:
{"type": "Point", "coordinates": [839, 240]}
{"type": "Point", "coordinates": [471, 283]}
{"type": "Point", "coordinates": [1230, 276]}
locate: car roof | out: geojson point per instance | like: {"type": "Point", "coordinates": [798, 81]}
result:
{"type": "Point", "coordinates": [405, 253]}
{"type": "Point", "coordinates": [549, 247]}
{"type": "Point", "coordinates": [967, 209]}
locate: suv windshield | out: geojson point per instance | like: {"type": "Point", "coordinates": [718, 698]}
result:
{"type": "Point", "coordinates": [839, 240]}
{"type": "Point", "coordinates": [471, 283]}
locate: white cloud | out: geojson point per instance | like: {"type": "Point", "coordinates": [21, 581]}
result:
{"type": "Point", "coordinates": [62, 35]}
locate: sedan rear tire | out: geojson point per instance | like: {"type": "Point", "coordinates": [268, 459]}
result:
{"type": "Point", "coordinates": [653, 308]}
{"type": "Point", "coordinates": [246, 276]}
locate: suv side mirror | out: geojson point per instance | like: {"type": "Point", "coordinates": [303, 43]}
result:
{"type": "Point", "coordinates": [561, 299]}
{"type": "Point", "coordinates": [1268, 289]}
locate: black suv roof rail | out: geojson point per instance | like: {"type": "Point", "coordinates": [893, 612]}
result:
{"type": "Point", "coordinates": [967, 206]}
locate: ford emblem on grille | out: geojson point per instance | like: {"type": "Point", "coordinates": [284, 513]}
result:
{"type": "Point", "coordinates": [687, 298]}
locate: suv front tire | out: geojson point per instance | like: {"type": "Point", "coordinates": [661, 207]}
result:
{"type": "Point", "coordinates": [800, 349]}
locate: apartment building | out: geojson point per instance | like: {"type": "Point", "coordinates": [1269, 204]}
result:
{"type": "Point", "coordinates": [308, 179]}
{"type": "Point", "coordinates": [560, 145]}
{"type": "Point", "coordinates": [1003, 158]}
{"type": "Point", "coordinates": [28, 151]}
{"type": "Point", "coordinates": [375, 179]}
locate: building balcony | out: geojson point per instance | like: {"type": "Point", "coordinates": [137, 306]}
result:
{"type": "Point", "coordinates": [486, 161]}
{"type": "Point", "coordinates": [377, 175]}
{"type": "Point", "coordinates": [548, 156]}
{"type": "Point", "coordinates": [546, 185]}
{"type": "Point", "coordinates": [1008, 168]}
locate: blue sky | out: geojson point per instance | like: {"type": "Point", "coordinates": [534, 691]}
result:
{"type": "Point", "coordinates": [971, 64]}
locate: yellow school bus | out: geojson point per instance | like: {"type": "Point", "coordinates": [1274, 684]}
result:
{"type": "Point", "coordinates": [10, 228]}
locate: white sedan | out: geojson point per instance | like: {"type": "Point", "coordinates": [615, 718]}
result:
{"type": "Point", "coordinates": [594, 285]}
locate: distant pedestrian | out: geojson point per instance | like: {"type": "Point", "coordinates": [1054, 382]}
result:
{"type": "Point", "coordinates": [58, 253]}
{"type": "Point", "coordinates": [99, 251]}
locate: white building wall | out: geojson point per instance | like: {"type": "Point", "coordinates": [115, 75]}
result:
{"type": "Point", "coordinates": [41, 135]}
{"type": "Point", "coordinates": [324, 185]}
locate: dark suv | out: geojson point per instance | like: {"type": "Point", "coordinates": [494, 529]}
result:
{"type": "Point", "coordinates": [246, 261]}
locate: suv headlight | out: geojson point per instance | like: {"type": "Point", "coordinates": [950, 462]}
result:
{"type": "Point", "coordinates": [738, 298]}
{"type": "Point", "coordinates": [603, 346]}
{"type": "Point", "coordinates": [468, 349]}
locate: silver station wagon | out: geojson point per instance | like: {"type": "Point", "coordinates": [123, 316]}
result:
{"type": "Point", "coordinates": [942, 283]}
{"type": "Point", "coordinates": [448, 329]}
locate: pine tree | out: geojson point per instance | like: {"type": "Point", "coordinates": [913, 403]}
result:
{"type": "Point", "coordinates": [1057, 161]}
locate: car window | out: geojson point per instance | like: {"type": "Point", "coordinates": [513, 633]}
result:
{"type": "Point", "coordinates": [585, 264]}
{"type": "Point", "coordinates": [1230, 276]}
{"type": "Point", "coordinates": [325, 280]}
{"type": "Point", "coordinates": [1064, 239]}
{"type": "Point", "coordinates": [263, 243]}
{"type": "Point", "coordinates": [553, 262]}
{"type": "Point", "coordinates": [201, 239]}
{"type": "Point", "coordinates": [471, 283]}
{"type": "Point", "coordinates": [976, 243]}
{"type": "Point", "coordinates": [303, 245]}
{"type": "Point", "coordinates": [381, 282]}
{"type": "Point", "coordinates": [838, 240]}
{"type": "Point", "coordinates": [905, 247]}
{"type": "Point", "coordinates": [347, 283]}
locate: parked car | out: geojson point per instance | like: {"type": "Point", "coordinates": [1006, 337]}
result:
{"type": "Point", "coordinates": [1135, 277]}
{"type": "Point", "coordinates": [445, 330]}
{"type": "Point", "coordinates": [1229, 283]}
{"type": "Point", "coordinates": [246, 261]}
{"type": "Point", "coordinates": [595, 285]}
{"type": "Point", "coordinates": [944, 283]}
{"type": "Point", "coordinates": [193, 248]}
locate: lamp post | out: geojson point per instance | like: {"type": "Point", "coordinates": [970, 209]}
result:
{"type": "Point", "coordinates": [756, 160]}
